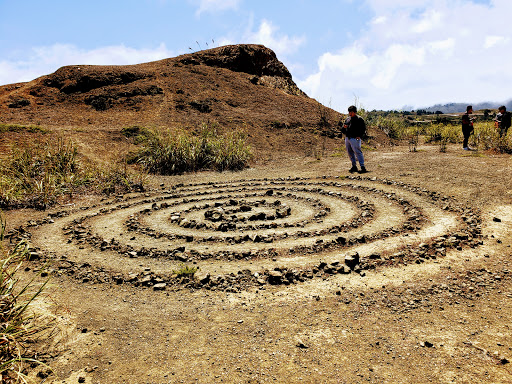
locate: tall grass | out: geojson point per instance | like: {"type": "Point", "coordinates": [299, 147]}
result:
{"type": "Point", "coordinates": [19, 324]}
{"type": "Point", "coordinates": [36, 174]}
{"type": "Point", "coordinates": [168, 153]}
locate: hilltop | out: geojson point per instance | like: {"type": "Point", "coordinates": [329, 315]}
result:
{"type": "Point", "coordinates": [239, 86]}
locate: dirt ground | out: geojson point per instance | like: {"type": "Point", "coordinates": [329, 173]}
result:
{"type": "Point", "coordinates": [443, 319]}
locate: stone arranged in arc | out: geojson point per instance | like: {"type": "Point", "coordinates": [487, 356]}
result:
{"type": "Point", "coordinates": [252, 232]}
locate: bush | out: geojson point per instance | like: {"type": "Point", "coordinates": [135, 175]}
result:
{"type": "Point", "coordinates": [486, 136]}
{"type": "Point", "coordinates": [443, 134]}
{"type": "Point", "coordinates": [167, 153]}
{"type": "Point", "coordinates": [393, 126]}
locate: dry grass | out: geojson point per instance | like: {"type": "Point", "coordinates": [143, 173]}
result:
{"type": "Point", "coordinates": [37, 174]}
{"type": "Point", "coordinates": [169, 153]}
{"type": "Point", "coordinates": [19, 324]}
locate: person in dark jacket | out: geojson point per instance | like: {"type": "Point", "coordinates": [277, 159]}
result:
{"type": "Point", "coordinates": [467, 127]}
{"type": "Point", "coordinates": [503, 120]}
{"type": "Point", "coordinates": [354, 130]}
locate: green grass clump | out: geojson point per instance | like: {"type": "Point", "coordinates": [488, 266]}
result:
{"type": "Point", "coordinates": [137, 133]}
{"type": "Point", "coordinates": [168, 153]}
{"type": "Point", "coordinates": [18, 128]}
{"type": "Point", "coordinates": [185, 271]}
{"type": "Point", "coordinates": [19, 324]}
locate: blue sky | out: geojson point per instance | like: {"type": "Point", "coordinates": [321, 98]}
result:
{"type": "Point", "coordinates": [380, 54]}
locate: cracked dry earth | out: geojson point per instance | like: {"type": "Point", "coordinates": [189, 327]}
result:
{"type": "Point", "coordinates": [306, 274]}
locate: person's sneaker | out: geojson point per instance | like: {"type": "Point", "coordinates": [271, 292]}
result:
{"type": "Point", "coordinates": [353, 169]}
{"type": "Point", "coordinates": [363, 170]}
{"type": "Point", "coordinates": [466, 149]}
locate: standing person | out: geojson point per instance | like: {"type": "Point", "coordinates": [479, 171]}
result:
{"type": "Point", "coordinates": [354, 130]}
{"type": "Point", "coordinates": [503, 120]}
{"type": "Point", "coordinates": [467, 127]}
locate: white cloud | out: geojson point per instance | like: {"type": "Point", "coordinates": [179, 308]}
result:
{"type": "Point", "coordinates": [428, 22]}
{"type": "Point", "coordinates": [491, 41]}
{"type": "Point", "coordinates": [269, 36]}
{"type": "Point", "coordinates": [283, 44]}
{"type": "Point", "coordinates": [216, 5]}
{"type": "Point", "coordinates": [442, 46]}
{"type": "Point", "coordinates": [45, 60]}
{"type": "Point", "coordinates": [380, 20]}
{"type": "Point", "coordinates": [419, 53]}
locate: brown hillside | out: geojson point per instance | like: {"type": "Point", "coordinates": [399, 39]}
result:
{"type": "Point", "coordinates": [238, 86]}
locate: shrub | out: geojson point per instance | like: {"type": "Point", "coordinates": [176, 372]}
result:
{"type": "Point", "coordinates": [167, 153]}
{"type": "Point", "coordinates": [443, 134]}
{"type": "Point", "coordinates": [393, 126]}
{"type": "Point", "coordinates": [486, 136]}
{"type": "Point", "coordinates": [138, 133]}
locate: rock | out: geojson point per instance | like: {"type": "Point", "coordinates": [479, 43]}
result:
{"type": "Point", "coordinates": [352, 259]}
{"type": "Point", "coordinates": [496, 219]}
{"type": "Point", "coordinates": [159, 286]}
{"type": "Point", "coordinates": [202, 277]}
{"type": "Point", "coordinates": [275, 277]}
{"type": "Point", "coordinates": [300, 344]}
{"type": "Point", "coordinates": [181, 257]}
{"type": "Point", "coordinates": [283, 212]}
{"type": "Point", "coordinates": [33, 255]}
{"type": "Point", "coordinates": [147, 280]}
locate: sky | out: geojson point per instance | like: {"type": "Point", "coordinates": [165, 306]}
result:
{"type": "Point", "coordinates": [376, 54]}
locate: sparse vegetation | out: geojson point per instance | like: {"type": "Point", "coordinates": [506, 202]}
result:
{"type": "Point", "coordinates": [36, 174]}
{"type": "Point", "coordinates": [20, 128]}
{"type": "Point", "coordinates": [441, 129]}
{"type": "Point", "coordinates": [19, 324]}
{"type": "Point", "coordinates": [185, 271]}
{"type": "Point", "coordinates": [167, 153]}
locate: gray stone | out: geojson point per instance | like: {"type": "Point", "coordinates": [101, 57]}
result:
{"type": "Point", "coordinates": [159, 286]}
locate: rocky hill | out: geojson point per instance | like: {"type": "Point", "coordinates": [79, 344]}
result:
{"type": "Point", "coordinates": [238, 86]}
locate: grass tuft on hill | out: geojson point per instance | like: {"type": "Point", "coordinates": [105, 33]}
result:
{"type": "Point", "coordinates": [168, 153]}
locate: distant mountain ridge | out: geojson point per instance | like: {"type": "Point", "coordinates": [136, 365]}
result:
{"type": "Point", "coordinates": [461, 107]}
